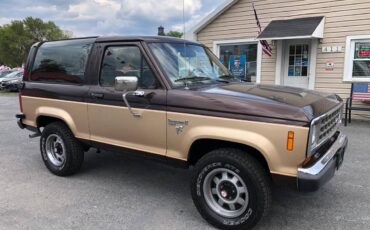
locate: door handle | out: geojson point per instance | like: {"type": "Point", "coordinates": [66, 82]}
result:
{"type": "Point", "coordinates": [97, 95]}
{"type": "Point", "coordinates": [138, 93]}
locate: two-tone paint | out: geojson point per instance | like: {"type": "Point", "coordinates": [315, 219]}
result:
{"type": "Point", "coordinates": [256, 116]}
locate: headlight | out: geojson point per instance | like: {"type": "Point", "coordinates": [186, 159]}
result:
{"type": "Point", "coordinates": [314, 135]}
{"type": "Point", "coordinates": [313, 138]}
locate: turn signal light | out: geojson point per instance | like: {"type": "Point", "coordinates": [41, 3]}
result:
{"type": "Point", "coordinates": [290, 141]}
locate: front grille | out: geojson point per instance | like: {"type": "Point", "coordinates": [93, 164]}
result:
{"type": "Point", "coordinates": [329, 124]}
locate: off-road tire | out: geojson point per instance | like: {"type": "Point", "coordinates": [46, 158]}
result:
{"type": "Point", "coordinates": [249, 170]}
{"type": "Point", "coordinates": [74, 152]}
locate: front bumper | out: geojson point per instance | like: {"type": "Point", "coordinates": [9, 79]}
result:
{"type": "Point", "coordinates": [312, 178]}
{"type": "Point", "coordinates": [9, 86]}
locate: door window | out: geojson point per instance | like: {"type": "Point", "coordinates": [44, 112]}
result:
{"type": "Point", "coordinates": [126, 61]}
{"type": "Point", "coordinates": [241, 60]}
{"type": "Point", "coordinates": [298, 60]}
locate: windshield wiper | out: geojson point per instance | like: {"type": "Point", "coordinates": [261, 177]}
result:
{"type": "Point", "coordinates": [223, 81]}
{"type": "Point", "coordinates": [228, 78]}
{"type": "Point", "coordinates": [192, 79]}
{"type": "Point", "coordinates": [225, 78]}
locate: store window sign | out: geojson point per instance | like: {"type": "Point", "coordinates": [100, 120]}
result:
{"type": "Point", "coordinates": [222, 59]}
{"type": "Point", "coordinates": [362, 51]}
{"type": "Point", "coordinates": [249, 51]}
{"type": "Point", "coordinates": [237, 65]}
{"type": "Point", "coordinates": [361, 61]}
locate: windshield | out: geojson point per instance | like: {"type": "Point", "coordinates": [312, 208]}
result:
{"type": "Point", "coordinates": [13, 74]}
{"type": "Point", "coordinates": [187, 64]}
{"type": "Point", "coordinates": [4, 73]}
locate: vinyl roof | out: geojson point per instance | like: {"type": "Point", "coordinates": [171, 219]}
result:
{"type": "Point", "coordinates": [142, 38]}
{"type": "Point", "coordinates": [129, 38]}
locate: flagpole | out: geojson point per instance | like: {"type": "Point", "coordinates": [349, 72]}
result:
{"type": "Point", "coordinates": [265, 45]}
{"type": "Point", "coordinates": [183, 17]}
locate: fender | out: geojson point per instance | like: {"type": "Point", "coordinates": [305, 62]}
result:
{"type": "Point", "coordinates": [254, 140]}
{"type": "Point", "coordinates": [268, 138]}
{"type": "Point", "coordinates": [59, 114]}
{"type": "Point", "coordinates": [74, 114]}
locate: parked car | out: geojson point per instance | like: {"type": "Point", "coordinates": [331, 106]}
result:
{"type": "Point", "coordinates": [172, 100]}
{"type": "Point", "coordinates": [3, 68]}
{"type": "Point", "coordinates": [12, 81]}
{"type": "Point", "coordinates": [5, 72]}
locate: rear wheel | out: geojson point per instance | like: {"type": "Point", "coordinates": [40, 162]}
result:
{"type": "Point", "coordinates": [230, 189]}
{"type": "Point", "coordinates": [61, 152]}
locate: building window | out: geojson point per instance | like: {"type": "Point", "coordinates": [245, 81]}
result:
{"type": "Point", "coordinates": [357, 64]}
{"type": "Point", "coordinates": [240, 59]}
{"type": "Point", "coordinates": [298, 60]}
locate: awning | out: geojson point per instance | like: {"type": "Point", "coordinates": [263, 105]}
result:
{"type": "Point", "coordinates": [299, 28]}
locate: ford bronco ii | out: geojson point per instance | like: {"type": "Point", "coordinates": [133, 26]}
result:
{"type": "Point", "coordinates": [172, 100]}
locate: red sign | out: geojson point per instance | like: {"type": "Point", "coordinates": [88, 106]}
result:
{"type": "Point", "coordinates": [364, 53]}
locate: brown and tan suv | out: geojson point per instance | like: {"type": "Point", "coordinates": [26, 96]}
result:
{"type": "Point", "coordinates": [172, 100]}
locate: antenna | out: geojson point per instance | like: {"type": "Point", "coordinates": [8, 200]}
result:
{"type": "Point", "coordinates": [187, 61]}
{"type": "Point", "coordinates": [183, 18]}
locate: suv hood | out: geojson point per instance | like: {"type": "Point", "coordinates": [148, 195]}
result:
{"type": "Point", "coordinates": [263, 101]}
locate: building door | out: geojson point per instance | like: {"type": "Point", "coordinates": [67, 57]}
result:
{"type": "Point", "coordinates": [297, 63]}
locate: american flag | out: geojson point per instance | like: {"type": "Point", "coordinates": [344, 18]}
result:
{"type": "Point", "coordinates": [361, 91]}
{"type": "Point", "coordinates": [265, 46]}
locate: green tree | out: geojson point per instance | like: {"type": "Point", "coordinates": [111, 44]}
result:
{"type": "Point", "coordinates": [174, 34]}
{"type": "Point", "coordinates": [17, 37]}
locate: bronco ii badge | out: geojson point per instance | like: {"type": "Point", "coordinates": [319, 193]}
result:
{"type": "Point", "coordinates": [179, 125]}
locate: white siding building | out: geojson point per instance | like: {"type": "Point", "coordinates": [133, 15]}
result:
{"type": "Point", "coordinates": [325, 44]}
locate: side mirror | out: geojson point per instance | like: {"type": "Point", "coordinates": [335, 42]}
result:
{"type": "Point", "coordinates": [126, 83]}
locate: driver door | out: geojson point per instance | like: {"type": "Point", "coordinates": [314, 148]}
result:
{"type": "Point", "coordinates": [111, 121]}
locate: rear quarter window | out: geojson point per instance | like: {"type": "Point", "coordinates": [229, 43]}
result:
{"type": "Point", "coordinates": [62, 62]}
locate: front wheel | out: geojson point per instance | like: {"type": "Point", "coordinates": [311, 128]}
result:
{"type": "Point", "coordinates": [230, 189]}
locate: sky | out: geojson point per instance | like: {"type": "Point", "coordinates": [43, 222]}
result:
{"type": "Point", "coordinates": [110, 17]}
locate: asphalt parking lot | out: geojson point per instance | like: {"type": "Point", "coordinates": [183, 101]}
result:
{"type": "Point", "coordinates": [113, 191]}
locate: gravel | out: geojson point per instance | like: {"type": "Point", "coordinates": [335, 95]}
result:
{"type": "Point", "coordinates": [113, 191]}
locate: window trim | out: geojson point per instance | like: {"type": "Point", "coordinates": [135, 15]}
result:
{"type": "Point", "coordinates": [247, 41]}
{"type": "Point", "coordinates": [32, 59]}
{"type": "Point", "coordinates": [162, 71]}
{"type": "Point", "coordinates": [142, 52]}
{"type": "Point", "coordinates": [349, 58]}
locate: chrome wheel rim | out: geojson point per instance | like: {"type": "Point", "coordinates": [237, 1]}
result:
{"type": "Point", "coordinates": [226, 193]}
{"type": "Point", "coordinates": [55, 150]}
